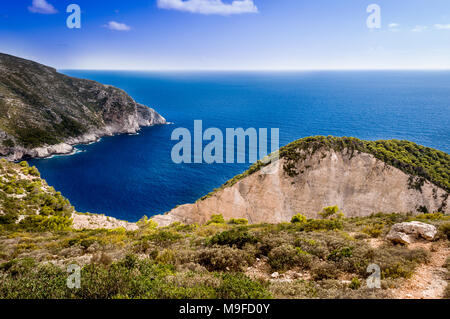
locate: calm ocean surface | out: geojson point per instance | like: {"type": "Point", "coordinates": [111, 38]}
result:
{"type": "Point", "coordinates": [131, 176]}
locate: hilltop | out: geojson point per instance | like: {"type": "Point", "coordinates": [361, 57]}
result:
{"type": "Point", "coordinates": [361, 177]}
{"type": "Point", "coordinates": [43, 112]}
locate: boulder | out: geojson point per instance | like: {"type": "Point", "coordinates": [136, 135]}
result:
{"type": "Point", "coordinates": [406, 233]}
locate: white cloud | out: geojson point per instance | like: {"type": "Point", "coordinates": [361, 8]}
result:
{"type": "Point", "coordinates": [419, 28]}
{"type": "Point", "coordinates": [42, 6]}
{"type": "Point", "coordinates": [394, 25]}
{"type": "Point", "coordinates": [210, 6]}
{"type": "Point", "coordinates": [116, 26]}
{"type": "Point", "coordinates": [442, 26]}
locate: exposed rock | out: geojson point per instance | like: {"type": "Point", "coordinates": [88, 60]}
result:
{"type": "Point", "coordinates": [43, 112]}
{"type": "Point", "coordinates": [91, 221]}
{"type": "Point", "coordinates": [406, 233]}
{"type": "Point", "coordinates": [359, 184]}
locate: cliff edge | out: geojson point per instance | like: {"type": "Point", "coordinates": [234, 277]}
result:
{"type": "Point", "coordinates": [361, 177]}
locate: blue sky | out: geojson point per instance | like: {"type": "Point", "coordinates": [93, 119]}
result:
{"type": "Point", "coordinates": [227, 35]}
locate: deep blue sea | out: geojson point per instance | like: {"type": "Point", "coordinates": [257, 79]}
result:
{"type": "Point", "coordinates": [129, 176]}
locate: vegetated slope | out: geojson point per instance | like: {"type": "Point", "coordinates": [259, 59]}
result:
{"type": "Point", "coordinates": [361, 177]}
{"type": "Point", "coordinates": [41, 107]}
{"type": "Point", "coordinates": [28, 202]}
{"type": "Point", "coordinates": [309, 258]}
{"type": "Point", "coordinates": [325, 257]}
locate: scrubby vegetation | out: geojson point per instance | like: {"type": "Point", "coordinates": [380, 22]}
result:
{"type": "Point", "coordinates": [215, 260]}
{"type": "Point", "coordinates": [27, 202]}
{"type": "Point", "coordinates": [306, 258]}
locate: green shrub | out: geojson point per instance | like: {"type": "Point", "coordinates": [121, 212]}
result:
{"type": "Point", "coordinates": [433, 216]}
{"type": "Point", "coordinates": [46, 223]}
{"type": "Point", "coordinates": [283, 257]}
{"type": "Point", "coordinates": [323, 224]}
{"type": "Point", "coordinates": [355, 283]}
{"type": "Point", "coordinates": [216, 219]}
{"type": "Point", "coordinates": [163, 237]}
{"type": "Point", "coordinates": [338, 254]}
{"type": "Point", "coordinates": [324, 270]}
{"type": "Point", "coordinates": [299, 219]}
{"type": "Point", "coordinates": [238, 221]}
{"type": "Point", "coordinates": [374, 230]}
{"type": "Point", "coordinates": [234, 237]}
{"type": "Point", "coordinates": [445, 228]}
{"type": "Point", "coordinates": [224, 259]}
{"type": "Point", "coordinates": [329, 211]}
{"type": "Point", "coordinates": [239, 286]}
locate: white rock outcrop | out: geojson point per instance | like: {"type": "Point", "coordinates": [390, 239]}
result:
{"type": "Point", "coordinates": [408, 232]}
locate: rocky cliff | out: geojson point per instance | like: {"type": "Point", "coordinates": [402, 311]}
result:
{"type": "Point", "coordinates": [43, 112]}
{"type": "Point", "coordinates": [360, 177]}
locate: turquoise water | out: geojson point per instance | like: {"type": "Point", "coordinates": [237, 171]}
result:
{"type": "Point", "coordinates": [131, 176]}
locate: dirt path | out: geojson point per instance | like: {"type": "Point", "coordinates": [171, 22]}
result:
{"type": "Point", "coordinates": [428, 281]}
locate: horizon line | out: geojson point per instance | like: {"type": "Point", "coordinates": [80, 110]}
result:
{"type": "Point", "coordinates": [245, 70]}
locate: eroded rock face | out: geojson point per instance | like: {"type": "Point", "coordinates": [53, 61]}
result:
{"type": "Point", "coordinates": [406, 233]}
{"type": "Point", "coordinates": [359, 184]}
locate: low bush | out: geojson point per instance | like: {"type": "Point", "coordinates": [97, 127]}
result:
{"type": "Point", "coordinates": [216, 219]}
{"type": "Point", "coordinates": [239, 286]}
{"type": "Point", "coordinates": [238, 221]}
{"type": "Point", "coordinates": [445, 229]}
{"type": "Point", "coordinates": [224, 259]}
{"type": "Point", "coordinates": [323, 224]}
{"type": "Point", "coordinates": [374, 230]}
{"type": "Point", "coordinates": [299, 219]}
{"type": "Point", "coordinates": [234, 237]}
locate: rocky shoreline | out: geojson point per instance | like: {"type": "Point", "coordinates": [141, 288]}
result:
{"type": "Point", "coordinates": [143, 118]}
{"type": "Point", "coordinates": [45, 113]}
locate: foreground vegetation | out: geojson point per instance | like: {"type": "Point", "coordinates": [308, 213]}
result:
{"type": "Point", "coordinates": [307, 258]}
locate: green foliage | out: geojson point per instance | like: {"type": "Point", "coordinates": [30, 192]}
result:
{"type": "Point", "coordinates": [9, 143]}
{"type": "Point", "coordinates": [299, 219]}
{"type": "Point", "coordinates": [162, 237]}
{"type": "Point", "coordinates": [445, 228]}
{"type": "Point", "coordinates": [46, 223]}
{"type": "Point", "coordinates": [216, 219]}
{"type": "Point", "coordinates": [329, 212]}
{"type": "Point", "coordinates": [433, 216]}
{"type": "Point", "coordinates": [147, 223]}
{"type": "Point", "coordinates": [238, 221]}
{"type": "Point", "coordinates": [374, 230]}
{"type": "Point", "coordinates": [235, 237]}
{"type": "Point", "coordinates": [283, 257]}
{"type": "Point", "coordinates": [323, 224]}
{"type": "Point", "coordinates": [224, 259]}
{"type": "Point", "coordinates": [239, 286]}
{"type": "Point", "coordinates": [178, 263]}
{"type": "Point", "coordinates": [355, 283]}
{"type": "Point", "coordinates": [338, 254]}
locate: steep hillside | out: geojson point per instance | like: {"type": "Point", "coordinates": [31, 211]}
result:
{"type": "Point", "coordinates": [43, 112]}
{"type": "Point", "coordinates": [361, 177]}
